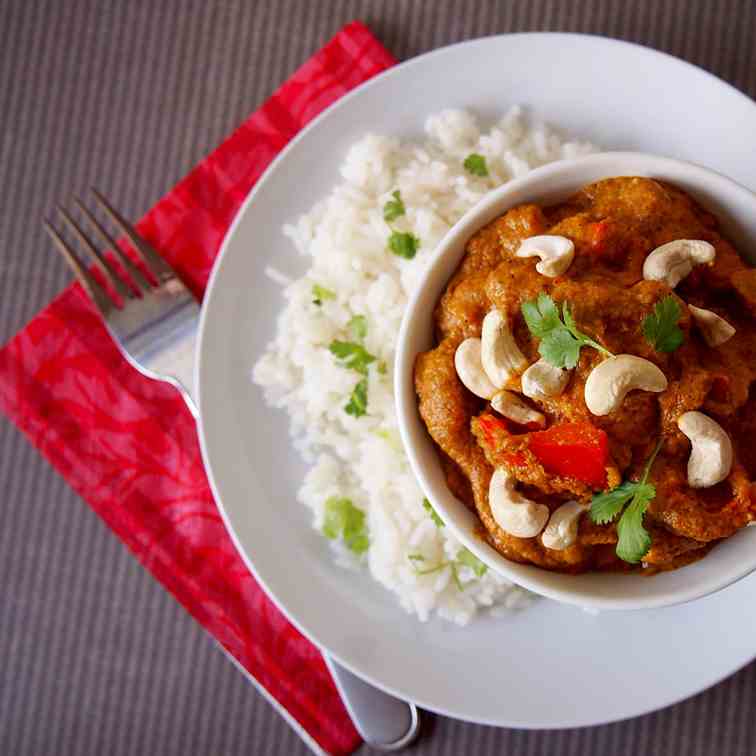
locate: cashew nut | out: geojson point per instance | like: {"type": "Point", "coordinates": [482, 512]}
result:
{"type": "Point", "coordinates": [542, 380]}
{"type": "Point", "coordinates": [715, 329]}
{"type": "Point", "coordinates": [556, 253]}
{"type": "Point", "coordinates": [611, 380]}
{"type": "Point", "coordinates": [562, 528]}
{"type": "Point", "coordinates": [470, 369]}
{"type": "Point", "coordinates": [514, 513]}
{"type": "Point", "coordinates": [710, 449]}
{"type": "Point", "coordinates": [500, 355]}
{"type": "Point", "coordinates": [673, 261]}
{"type": "Point", "coordinates": [509, 405]}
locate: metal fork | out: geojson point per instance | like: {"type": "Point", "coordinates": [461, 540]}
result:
{"type": "Point", "coordinates": [153, 319]}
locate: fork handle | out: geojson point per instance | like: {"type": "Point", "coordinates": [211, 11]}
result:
{"type": "Point", "coordinates": [385, 722]}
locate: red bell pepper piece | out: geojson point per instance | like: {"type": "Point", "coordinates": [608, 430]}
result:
{"type": "Point", "coordinates": [575, 450]}
{"type": "Point", "coordinates": [491, 427]}
{"type": "Point", "coordinates": [494, 428]}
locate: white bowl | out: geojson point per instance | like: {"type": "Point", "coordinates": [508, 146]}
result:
{"type": "Point", "coordinates": [735, 207]}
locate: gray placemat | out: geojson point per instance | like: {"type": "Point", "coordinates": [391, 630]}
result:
{"type": "Point", "coordinates": [96, 658]}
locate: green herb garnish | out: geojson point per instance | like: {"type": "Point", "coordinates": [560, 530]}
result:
{"type": "Point", "coordinates": [465, 558]}
{"type": "Point", "coordinates": [561, 340]}
{"type": "Point", "coordinates": [320, 294]}
{"type": "Point", "coordinates": [382, 367]}
{"type": "Point", "coordinates": [358, 326]}
{"type": "Point", "coordinates": [428, 507]}
{"type": "Point", "coordinates": [353, 356]}
{"type": "Point", "coordinates": [634, 540]}
{"type": "Point", "coordinates": [357, 405]}
{"type": "Point", "coordinates": [476, 164]}
{"type": "Point", "coordinates": [394, 208]}
{"type": "Point", "coordinates": [403, 244]}
{"type": "Point", "coordinates": [468, 559]}
{"type": "Point", "coordinates": [344, 520]}
{"type": "Point", "coordinates": [660, 327]}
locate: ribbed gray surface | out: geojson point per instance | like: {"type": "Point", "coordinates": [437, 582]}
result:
{"type": "Point", "coordinates": [96, 658]}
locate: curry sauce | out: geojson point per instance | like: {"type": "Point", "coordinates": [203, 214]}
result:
{"type": "Point", "coordinates": [613, 224]}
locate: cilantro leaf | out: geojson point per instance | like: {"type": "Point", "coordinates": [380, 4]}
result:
{"type": "Point", "coordinates": [560, 349]}
{"type": "Point", "coordinates": [607, 505]}
{"type": "Point", "coordinates": [468, 559]}
{"type": "Point", "coordinates": [428, 507]}
{"type": "Point", "coordinates": [561, 340]}
{"type": "Point", "coordinates": [357, 406]}
{"type": "Point", "coordinates": [541, 316]}
{"type": "Point", "coordinates": [660, 327]}
{"type": "Point", "coordinates": [403, 244]}
{"type": "Point", "coordinates": [382, 367]}
{"type": "Point", "coordinates": [352, 356]}
{"type": "Point", "coordinates": [394, 208]}
{"type": "Point", "coordinates": [344, 520]}
{"type": "Point", "coordinates": [358, 326]}
{"type": "Point", "coordinates": [416, 557]}
{"type": "Point", "coordinates": [320, 294]}
{"type": "Point", "coordinates": [476, 164]}
{"type": "Point", "coordinates": [633, 539]}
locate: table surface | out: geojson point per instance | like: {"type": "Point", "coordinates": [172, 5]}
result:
{"type": "Point", "coordinates": [129, 95]}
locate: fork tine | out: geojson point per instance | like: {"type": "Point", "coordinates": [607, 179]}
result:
{"type": "Point", "coordinates": [109, 272]}
{"type": "Point", "coordinates": [96, 293]}
{"type": "Point", "coordinates": [139, 279]}
{"type": "Point", "coordinates": [150, 257]}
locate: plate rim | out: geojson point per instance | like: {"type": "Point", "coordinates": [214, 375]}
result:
{"type": "Point", "coordinates": [259, 186]}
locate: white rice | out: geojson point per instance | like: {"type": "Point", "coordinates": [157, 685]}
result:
{"type": "Point", "coordinates": [344, 239]}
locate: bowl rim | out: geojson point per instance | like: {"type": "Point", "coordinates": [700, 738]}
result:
{"type": "Point", "coordinates": [411, 428]}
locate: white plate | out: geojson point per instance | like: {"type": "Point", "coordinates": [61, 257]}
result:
{"type": "Point", "coordinates": [550, 666]}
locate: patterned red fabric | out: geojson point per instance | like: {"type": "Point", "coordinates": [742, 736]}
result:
{"type": "Point", "coordinates": [128, 445]}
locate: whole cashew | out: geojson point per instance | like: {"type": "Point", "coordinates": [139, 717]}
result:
{"type": "Point", "coordinates": [673, 261]}
{"type": "Point", "coordinates": [542, 380]}
{"type": "Point", "coordinates": [714, 329]}
{"type": "Point", "coordinates": [611, 380]}
{"type": "Point", "coordinates": [711, 449]}
{"type": "Point", "coordinates": [556, 253]}
{"type": "Point", "coordinates": [562, 528]}
{"type": "Point", "coordinates": [509, 405]}
{"type": "Point", "coordinates": [514, 513]}
{"type": "Point", "coordinates": [500, 355]}
{"type": "Point", "coordinates": [470, 369]}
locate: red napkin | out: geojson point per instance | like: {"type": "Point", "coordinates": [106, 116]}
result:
{"type": "Point", "coordinates": [128, 445]}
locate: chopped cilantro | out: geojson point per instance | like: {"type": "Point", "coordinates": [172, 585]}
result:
{"type": "Point", "coordinates": [358, 326]}
{"type": "Point", "coordinates": [352, 356]}
{"type": "Point", "coordinates": [476, 164]}
{"type": "Point", "coordinates": [394, 208]}
{"type": "Point", "coordinates": [357, 405]}
{"type": "Point", "coordinates": [428, 507]}
{"type": "Point", "coordinates": [468, 559]}
{"type": "Point", "coordinates": [403, 244]}
{"type": "Point", "coordinates": [320, 294]}
{"type": "Point", "coordinates": [660, 327]}
{"type": "Point", "coordinates": [561, 340]}
{"type": "Point", "coordinates": [344, 520]}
